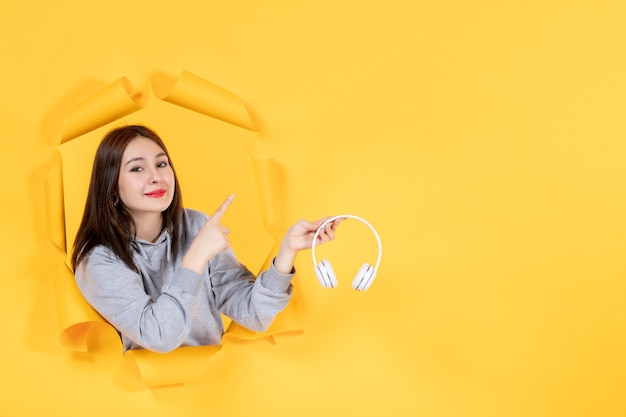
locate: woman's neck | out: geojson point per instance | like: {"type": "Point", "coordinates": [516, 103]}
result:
{"type": "Point", "coordinates": [148, 226]}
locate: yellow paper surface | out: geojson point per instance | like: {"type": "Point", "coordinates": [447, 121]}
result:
{"type": "Point", "coordinates": [197, 94]}
{"type": "Point", "coordinates": [177, 367]}
{"type": "Point", "coordinates": [113, 102]}
{"type": "Point", "coordinates": [74, 315]}
{"type": "Point", "coordinates": [267, 173]}
{"type": "Point", "coordinates": [55, 221]}
{"type": "Point", "coordinates": [484, 140]}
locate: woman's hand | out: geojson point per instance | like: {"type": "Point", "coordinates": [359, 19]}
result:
{"type": "Point", "coordinates": [210, 240]}
{"type": "Point", "coordinates": [300, 237]}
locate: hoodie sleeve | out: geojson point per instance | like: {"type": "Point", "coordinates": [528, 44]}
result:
{"type": "Point", "coordinates": [118, 294]}
{"type": "Point", "coordinates": [251, 303]}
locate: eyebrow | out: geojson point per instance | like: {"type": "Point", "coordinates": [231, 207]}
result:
{"type": "Point", "coordinates": [140, 158]}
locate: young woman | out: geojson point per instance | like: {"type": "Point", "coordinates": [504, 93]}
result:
{"type": "Point", "coordinates": [162, 274]}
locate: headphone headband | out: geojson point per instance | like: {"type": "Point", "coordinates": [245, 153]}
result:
{"type": "Point", "coordinates": [349, 216]}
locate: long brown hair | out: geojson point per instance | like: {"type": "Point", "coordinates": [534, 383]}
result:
{"type": "Point", "coordinates": [107, 223]}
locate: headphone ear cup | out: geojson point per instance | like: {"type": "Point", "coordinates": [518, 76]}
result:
{"type": "Point", "coordinates": [325, 274]}
{"type": "Point", "coordinates": [364, 277]}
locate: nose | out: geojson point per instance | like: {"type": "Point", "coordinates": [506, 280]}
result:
{"type": "Point", "coordinates": [155, 177]}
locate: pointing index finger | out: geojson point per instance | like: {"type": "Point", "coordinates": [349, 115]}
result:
{"type": "Point", "coordinates": [219, 213]}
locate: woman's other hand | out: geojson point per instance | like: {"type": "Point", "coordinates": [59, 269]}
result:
{"type": "Point", "coordinates": [300, 237]}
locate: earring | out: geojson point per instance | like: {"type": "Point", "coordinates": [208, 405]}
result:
{"type": "Point", "coordinates": [117, 201]}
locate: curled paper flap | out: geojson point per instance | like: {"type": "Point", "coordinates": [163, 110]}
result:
{"type": "Point", "coordinates": [265, 173]}
{"type": "Point", "coordinates": [75, 316]}
{"type": "Point", "coordinates": [176, 367]}
{"type": "Point", "coordinates": [55, 218]}
{"type": "Point", "coordinates": [111, 103]}
{"type": "Point", "coordinates": [197, 94]}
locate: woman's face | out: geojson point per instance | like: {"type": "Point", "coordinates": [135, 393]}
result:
{"type": "Point", "coordinates": [146, 181]}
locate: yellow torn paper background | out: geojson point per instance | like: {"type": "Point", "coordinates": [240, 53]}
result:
{"type": "Point", "coordinates": [112, 103]}
{"type": "Point", "coordinates": [483, 140]}
{"type": "Point", "coordinates": [84, 126]}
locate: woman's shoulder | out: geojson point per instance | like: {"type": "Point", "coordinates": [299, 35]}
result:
{"type": "Point", "coordinates": [100, 254]}
{"type": "Point", "coordinates": [194, 219]}
{"type": "Point", "coordinates": [193, 213]}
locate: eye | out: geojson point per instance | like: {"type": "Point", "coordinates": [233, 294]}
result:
{"type": "Point", "coordinates": [136, 169]}
{"type": "Point", "coordinates": [162, 164]}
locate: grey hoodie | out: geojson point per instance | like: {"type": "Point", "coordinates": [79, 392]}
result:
{"type": "Point", "coordinates": [165, 306]}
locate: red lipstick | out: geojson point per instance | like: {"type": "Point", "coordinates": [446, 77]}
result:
{"type": "Point", "coordinates": [156, 193]}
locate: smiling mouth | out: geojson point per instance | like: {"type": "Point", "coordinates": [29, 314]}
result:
{"type": "Point", "coordinates": [156, 193]}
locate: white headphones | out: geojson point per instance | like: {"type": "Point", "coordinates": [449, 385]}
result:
{"type": "Point", "coordinates": [324, 271]}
